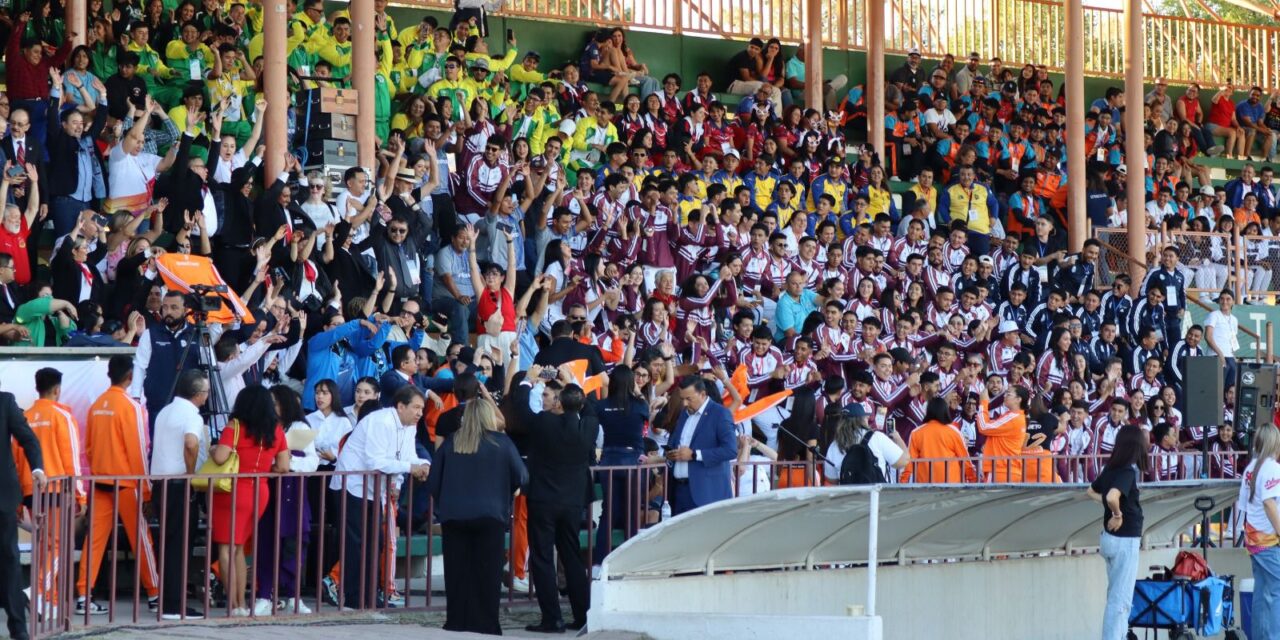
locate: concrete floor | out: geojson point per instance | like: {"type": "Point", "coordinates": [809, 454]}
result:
{"type": "Point", "coordinates": [334, 627]}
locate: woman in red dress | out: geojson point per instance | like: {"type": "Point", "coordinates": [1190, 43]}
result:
{"type": "Point", "coordinates": [256, 437]}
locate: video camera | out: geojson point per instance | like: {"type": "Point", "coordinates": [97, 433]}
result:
{"type": "Point", "coordinates": [205, 298]}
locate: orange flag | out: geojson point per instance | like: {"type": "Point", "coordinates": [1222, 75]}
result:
{"type": "Point", "coordinates": [760, 406]}
{"type": "Point", "coordinates": [181, 272]}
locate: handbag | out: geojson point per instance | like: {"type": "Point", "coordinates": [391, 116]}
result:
{"type": "Point", "coordinates": [1191, 565]}
{"type": "Point", "coordinates": [209, 468]}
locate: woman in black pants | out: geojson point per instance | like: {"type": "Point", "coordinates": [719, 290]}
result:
{"type": "Point", "coordinates": [622, 415]}
{"type": "Point", "coordinates": [476, 473]}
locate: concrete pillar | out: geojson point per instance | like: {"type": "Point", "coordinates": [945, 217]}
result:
{"type": "Point", "coordinates": [75, 16]}
{"type": "Point", "coordinates": [363, 66]}
{"type": "Point", "coordinates": [1134, 151]}
{"type": "Point", "coordinates": [275, 21]}
{"type": "Point", "coordinates": [813, 56]}
{"type": "Point", "coordinates": [875, 75]}
{"type": "Point", "coordinates": [1077, 218]}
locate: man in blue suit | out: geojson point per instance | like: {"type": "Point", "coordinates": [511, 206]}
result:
{"type": "Point", "coordinates": [703, 447]}
{"type": "Point", "coordinates": [406, 372]}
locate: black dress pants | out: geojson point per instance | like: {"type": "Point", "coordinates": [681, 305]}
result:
{"type": "Point", "coordinates": [473, 558]}
{"type": "Point", "coordinates": [554, 528]}
{"type": "Point", "coordinates": [12, 599]}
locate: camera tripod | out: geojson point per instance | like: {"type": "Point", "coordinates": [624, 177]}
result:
{"type": "Point", "coordinates": [217, 408]}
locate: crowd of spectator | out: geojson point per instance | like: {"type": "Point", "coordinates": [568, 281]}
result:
{"type": "Point", "coordinates": [521, 222]}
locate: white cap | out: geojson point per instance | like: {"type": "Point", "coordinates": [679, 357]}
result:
{"type": "Point", "coordinates": [913, 51]}
{"type": "Point", "coordinates": [1007, 326]}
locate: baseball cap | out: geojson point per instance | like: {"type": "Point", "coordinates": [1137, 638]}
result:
{"type": "Point", "coordinates": [986, 260]}
{"type": "Point", "coordinates": [533, 54]}
{"type": "Point", "coordinates": [1009, 87]}
{"type": "Point", "coordinates": [480, 63]}
{"type": "Point", "coordinates": [1007, 326]}
{"type": "Point", "coordinates": [913, 51]}
{"type": "Point", "coordinates": [854, 410]}
{"type": "Point", "coordinates": [1206, 190]}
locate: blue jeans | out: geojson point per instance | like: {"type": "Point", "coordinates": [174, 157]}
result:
{"type": "Point", "coordinates": [460, 316]}
{"type": "Point", "coordinates": [65, 210]}
{"type": "Point", "coordinates": [1229, 374]}
{"type": "Point", "coordinates": [1266, 593]}
{"type": "Point", "coordinates": [1121, 555]}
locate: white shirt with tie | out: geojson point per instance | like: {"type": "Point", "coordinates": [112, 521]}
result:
{"type": "Point", "coordinates": [20, 150]}
{"type": "Point", "coordinates": [681, 469]}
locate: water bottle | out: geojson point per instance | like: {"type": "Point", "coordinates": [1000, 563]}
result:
{"type": "Point", "coordinates": [666, 511]}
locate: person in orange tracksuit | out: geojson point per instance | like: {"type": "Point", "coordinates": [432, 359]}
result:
{"type": "Point", "coordinates": [116, 439]}
{"type": "Point", "coordinates": [1005, 435]}
{"type": "Point", "coordinates": [59, 438]}
{"type": "Point", "coordinates": [937, 439]}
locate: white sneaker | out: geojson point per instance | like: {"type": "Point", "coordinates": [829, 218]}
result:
{"type": "Point", "coordinates": [520, 585]}
{"type": "Point", "coordinates": [291, 603]}
{"type": "Point", "coordinates": [85, 604]}
{"type": "Point", "coordinates": [263, 607]}
{"type": "Point", "coordinates": [239, 612]}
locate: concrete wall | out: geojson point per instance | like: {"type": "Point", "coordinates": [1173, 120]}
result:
{"type": "Point", "coordinates": [1054, 597]}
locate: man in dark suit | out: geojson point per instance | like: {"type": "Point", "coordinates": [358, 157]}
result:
{"type": "Point", "coordinates": [14, 425]}
{"type": "Point", "coordinates": [11, 295]}
{"type": "Point", "coordinates": [21, 146]}
{"type": "Point", "coordinates": [406, 372]}
{"type": "Point", "coordinates": [561, 450]}
{"type": "Point", "coordinates": [564, 348]}
{"type": "Point", "coordinates": [703, 446]}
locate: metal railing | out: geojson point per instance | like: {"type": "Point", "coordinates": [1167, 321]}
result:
{"type": "Point", "coordinates": [1260, 266]}
{"type": "Point", "coordinates": [1213, 260]}
{"type": "Point", "coordinates": [1182, 50]}
{"type": "Point", "coordinates": [301, 557]}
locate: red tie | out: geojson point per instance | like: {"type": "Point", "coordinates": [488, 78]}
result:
{"type": "Point", "coordinates": [22, 154]}
{"type": "Point", "coordinates": [310, 271]}
{"type": "Point", "coordinates": [88, 275]}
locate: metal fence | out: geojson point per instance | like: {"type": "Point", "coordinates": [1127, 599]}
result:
{"type": "Point", "coordinates": [1182, 50]}
{"type": "Point", "coordinates": [1211, 261]}
{"type": "Point", "coordinates": [144, 539]}
{"type": "Point", "coordinates": [1261, 268]}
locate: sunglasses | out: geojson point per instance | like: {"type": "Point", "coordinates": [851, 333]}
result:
{"type": "Point", "coordinates": [397, 230]}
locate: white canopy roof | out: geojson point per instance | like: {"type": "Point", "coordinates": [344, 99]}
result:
{"type": "Point", "coordinates": [821, 526]}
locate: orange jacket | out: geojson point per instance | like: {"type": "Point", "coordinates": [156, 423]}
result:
{"type": "Point", "coordinates": [1039, 466]}
{"type": "Point", "coordinates": [116, 438]}
{"type": "Point", "coordinates": [59, 437]}
{"type": "Point", "coordinates": [1005, 436]}
{"type": "Point", "coordinates": [934, 440]}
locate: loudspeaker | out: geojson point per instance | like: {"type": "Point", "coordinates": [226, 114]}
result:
{"type": "Point", "coordinates": [1256, 396]}
{"type": "Point", "coordinates": [1203, 391]}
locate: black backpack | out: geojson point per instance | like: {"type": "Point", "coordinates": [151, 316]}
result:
{"type": "Point", "coordinates": [860, 465]}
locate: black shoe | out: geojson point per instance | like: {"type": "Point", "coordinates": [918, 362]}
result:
{"type": "Point", "coordinates": [575, 625]}
{"type": "Point", "coordinates": [544, 627]}
{"type": "Point", "coordinates": [190, 614]}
